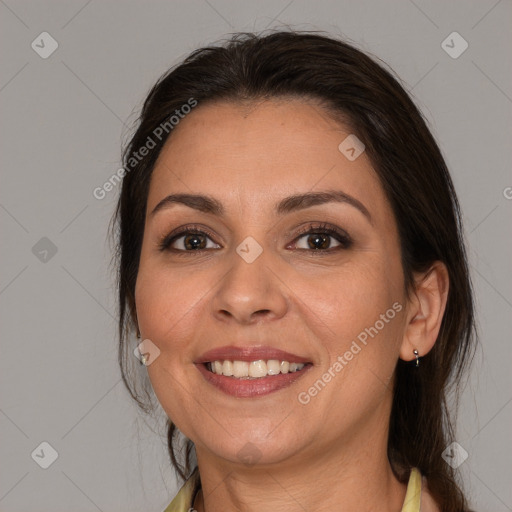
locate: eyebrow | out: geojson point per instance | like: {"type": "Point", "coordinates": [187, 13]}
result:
{"type": "Point", "coordinates": [208, 204]}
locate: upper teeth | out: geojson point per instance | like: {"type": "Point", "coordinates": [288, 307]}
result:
{"type": "Point", "coordinates": [259, 368]}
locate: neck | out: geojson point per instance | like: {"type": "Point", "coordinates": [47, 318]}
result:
{"type": "Point", "coordinates": [342, 476]}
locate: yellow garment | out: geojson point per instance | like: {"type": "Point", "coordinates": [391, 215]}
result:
{"type": "Point", "coordinates": [184, 500]}
{"type": "Point", "coordinates": [413, 495]}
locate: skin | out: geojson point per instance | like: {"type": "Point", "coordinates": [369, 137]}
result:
{"type": "Point", "coordinates": [330, 454]}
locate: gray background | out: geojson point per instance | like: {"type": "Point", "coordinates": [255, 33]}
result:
{"type": "Point", "coordinates": [62, 122]}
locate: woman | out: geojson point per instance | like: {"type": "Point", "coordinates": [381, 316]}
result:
{"type": "Point", "coordinates": [291, 259]}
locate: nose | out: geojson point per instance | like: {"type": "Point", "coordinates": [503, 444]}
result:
{"type": "Point", "coordinates": [250, 292]}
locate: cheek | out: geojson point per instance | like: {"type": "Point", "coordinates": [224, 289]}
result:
{"type": "Point", "coordinates": [349, 299]}
{"type": "Point", "coordinates": [355, 313]}
{"type": "Point", "coordinates": [167, 310]}
{"type": "Point", "coordinates": [166, 303]}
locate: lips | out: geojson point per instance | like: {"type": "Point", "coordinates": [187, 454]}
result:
{"type": "Point", "coordinates": [249, 354]}
{"type": "Point", "coordinates": [247, 387]}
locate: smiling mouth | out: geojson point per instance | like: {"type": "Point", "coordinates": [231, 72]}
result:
{"type": "Point", "coordinates": [252, 370]}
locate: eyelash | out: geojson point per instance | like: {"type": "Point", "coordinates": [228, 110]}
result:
{"type": "Point", "coordinates": [312, 229]}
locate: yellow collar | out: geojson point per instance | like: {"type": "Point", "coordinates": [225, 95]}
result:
{"type": "Point", "coordinates": [184, 500]}
{"type": "Point", "coordinates": [413, 495]}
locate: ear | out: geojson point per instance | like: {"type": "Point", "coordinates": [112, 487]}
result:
{"type": "Point", "coordinates": [425, 311]}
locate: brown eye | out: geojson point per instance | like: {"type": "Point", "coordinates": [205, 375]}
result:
{"type": "Point", "coordinates": [318, 241]}
{"type": "Point", "coordinates": [188, 240]}
{"type": "Point", "coordinates": [323, 238]}
{"type": "Point", "coordinates": [193, 241]}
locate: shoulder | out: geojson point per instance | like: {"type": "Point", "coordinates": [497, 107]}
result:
{"type": "Point", "coordinates": [184, 500]}
{"type": "Point", "coordinates": [427, 502]}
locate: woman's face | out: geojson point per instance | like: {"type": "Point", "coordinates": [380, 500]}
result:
{"type": "Point", "coordinates": [253, 283]}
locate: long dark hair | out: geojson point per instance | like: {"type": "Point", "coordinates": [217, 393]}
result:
{"type": "Point", "coordinates": [365, 96]}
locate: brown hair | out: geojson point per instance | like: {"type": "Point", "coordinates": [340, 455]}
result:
{"type": "Point", "coordinates": [356, 89]}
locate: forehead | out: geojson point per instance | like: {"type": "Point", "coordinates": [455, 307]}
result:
{"type": "Point", "coordinates": [255, 153]}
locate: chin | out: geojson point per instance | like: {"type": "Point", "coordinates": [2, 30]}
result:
{"type": "Point", "coordinates": [251, 449]}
